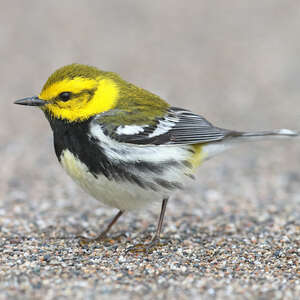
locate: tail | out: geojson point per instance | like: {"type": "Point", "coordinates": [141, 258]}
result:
{"type": "Point", "coordinates": [233, 138]}
{"type": "Point", "coordinates": [262, 134]}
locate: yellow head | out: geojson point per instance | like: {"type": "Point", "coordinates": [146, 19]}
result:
{"type": "Point", "coordinates": [77, 92]}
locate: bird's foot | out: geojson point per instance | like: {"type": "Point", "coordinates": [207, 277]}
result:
{"type": "Point", "coordinates": [101, 238]}
{"type": "Point", "coordinates": [83, 241]}
{"type": "Point", "coordinates": [146, 248]}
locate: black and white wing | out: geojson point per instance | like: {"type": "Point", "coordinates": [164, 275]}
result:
{"type": "Point", "coordinates": [178, 126]}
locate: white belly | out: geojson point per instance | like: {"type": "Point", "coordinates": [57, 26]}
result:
{"type": "Point", "coordinates": [123, 195]}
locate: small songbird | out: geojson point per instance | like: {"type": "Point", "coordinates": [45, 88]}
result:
{"type": "Point", "coordinates": [124, 145]}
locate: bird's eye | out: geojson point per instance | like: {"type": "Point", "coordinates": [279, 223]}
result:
{"type": "Point", "coordinates": [65, 96]}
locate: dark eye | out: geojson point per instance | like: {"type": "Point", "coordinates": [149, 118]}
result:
{"type": "Point", "coordinates": [65, 96]}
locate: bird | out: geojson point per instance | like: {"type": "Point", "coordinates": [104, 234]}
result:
{"type": "Point", "coordinates": [126, 146]}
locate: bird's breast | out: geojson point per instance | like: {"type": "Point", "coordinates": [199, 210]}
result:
{"type": "Point", "coordinates": [132, 192]}
{"type": "Point", "coordinates": [121, 175]}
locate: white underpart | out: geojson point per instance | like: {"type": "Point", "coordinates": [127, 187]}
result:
{"type": "Point", "coordinates": [212, 149]}
{"type": "Point", "coordinates": [123, 195]}
{"type": "Point", "coordinates": [162, 127]}
{"type": "Point", "coordinates": [129, 129]}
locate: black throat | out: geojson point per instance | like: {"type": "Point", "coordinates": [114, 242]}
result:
{"type": "Point", "coordinates": [74, 136]}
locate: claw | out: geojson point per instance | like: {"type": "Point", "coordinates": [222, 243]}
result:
{"type": "Point", "coordinates": [102, 238]}
{"type": "Point", "coordinates": [147, 248]}
{"type": "Point", "coordinates": [83, 241]}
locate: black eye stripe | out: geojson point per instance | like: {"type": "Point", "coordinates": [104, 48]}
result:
{"type": "Point", "coordinates": [65, 96]}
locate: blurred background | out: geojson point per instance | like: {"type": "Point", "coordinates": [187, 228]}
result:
{"type": "Point", "coordinates": [235, 62]}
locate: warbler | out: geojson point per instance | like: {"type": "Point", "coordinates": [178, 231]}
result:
{"type": "Point", "coordinates": [124, 145]}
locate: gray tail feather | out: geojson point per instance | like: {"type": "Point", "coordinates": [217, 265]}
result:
{"type": "Point", "coordinates": [232, 138]}
{"type": "Point", "coordinates": [261, 134]}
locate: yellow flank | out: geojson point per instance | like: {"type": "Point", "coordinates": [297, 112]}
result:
{"type": "Point", "coordinates": [197, 156]}
{"type": "Point", "coordinates": [81, 106]}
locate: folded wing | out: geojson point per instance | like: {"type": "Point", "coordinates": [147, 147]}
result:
{"type": "Point", "coordinates": [178, 126]}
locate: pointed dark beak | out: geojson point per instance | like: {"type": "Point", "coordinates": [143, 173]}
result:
{"type": "Point", "coordinates": [31, 101]}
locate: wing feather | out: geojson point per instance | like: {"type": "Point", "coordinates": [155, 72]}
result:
{"type": "Point", "coordinates": [178, 126]}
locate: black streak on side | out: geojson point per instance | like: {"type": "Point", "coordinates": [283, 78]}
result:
{"type": "Point", "coordinates": [74, 137]}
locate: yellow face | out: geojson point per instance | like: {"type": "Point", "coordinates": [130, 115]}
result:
{"type": "Point", "coordinates": [76, 94]}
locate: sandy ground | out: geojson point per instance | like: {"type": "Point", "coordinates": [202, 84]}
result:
{"type": "Point", "coordinates": [235, 233]}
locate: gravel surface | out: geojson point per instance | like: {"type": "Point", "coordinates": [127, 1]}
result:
{"type": "Point", "coordinates": [235, 232]}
